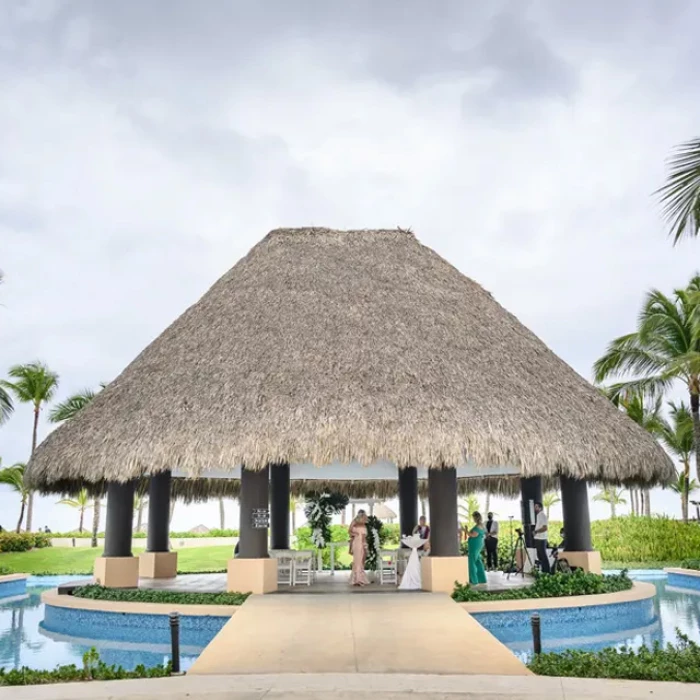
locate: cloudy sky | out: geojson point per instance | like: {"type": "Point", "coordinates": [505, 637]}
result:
{"type": "Point", "coordinates": [145, 147]}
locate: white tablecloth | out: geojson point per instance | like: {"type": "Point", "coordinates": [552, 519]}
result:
{"type": "Point", "coordinates": [411, 580]}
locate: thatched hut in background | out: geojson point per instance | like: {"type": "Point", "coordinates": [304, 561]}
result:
{"type": "Point", "coordinates": [355, 348]}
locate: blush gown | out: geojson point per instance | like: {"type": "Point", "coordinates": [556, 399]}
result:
{"type": "Point", "coordinates": [358, 549]}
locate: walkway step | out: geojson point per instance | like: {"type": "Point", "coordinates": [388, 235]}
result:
{"type": "Point", "coordinates": [372, 633]}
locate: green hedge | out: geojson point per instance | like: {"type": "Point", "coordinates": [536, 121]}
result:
{"type": "Point", "coordinates": [145, 595]}
{"type": "Point", "coordinates": [142, 535]}
{"type": "Point", "coordinates": [550, 586]}
{"type": "Point", "coordinates": [94, 669]}
{"type": "Point", "coordinates": [680, 663]}
{"type": "Point", "coordinates": [693, 564]}
{"type": "Point", "coordinates": [626, 539]}
{"type": "Point", "coordinates": [23, 541]}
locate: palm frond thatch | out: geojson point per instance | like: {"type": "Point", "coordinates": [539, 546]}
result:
{"type": "Point", "coordinates": [325, 345]}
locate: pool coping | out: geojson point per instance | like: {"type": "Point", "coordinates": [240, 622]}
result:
{"type": "Point", "coordinates": [684, 572]}
{"type": "Point", "coordinates": [53, 598]}
{"type": "Point", "coordinates": [639, 591]}
{"type": "Point", "coordinates": [6, 578]}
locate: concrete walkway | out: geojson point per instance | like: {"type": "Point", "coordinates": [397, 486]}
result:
{"type": "Point", "coordinates": [372, 633]}
{"type": "Point", "coordinates": [356, 687]}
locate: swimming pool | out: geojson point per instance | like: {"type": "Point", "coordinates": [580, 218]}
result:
{"type": "Point", "coordinates": [671, 609]}
{"type": "Point", "coordinates": [25, 641]}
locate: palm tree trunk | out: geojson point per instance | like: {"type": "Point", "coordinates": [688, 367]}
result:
{"type": "Point", "coordinates": [633, 505]}
{"type": "Point", "coordinates": [613, 514]}
{"type": "Point", "coordinates": [139, 515]}
{"type": "Point", "coordinates": [422, 507]}
{"type": "Point", "coordinates": [487, 505]}
{"type": "Point", "coordinates": [222, 514]}
{"type": "Point", "coordinates": [30, 500]}
{"type": "Point", "coordinates": [21, 517]}
{"type": "Point", "coordinates": [647, 503]}
{"type": "Point", "coordinates": [82, 518]}
{"type": "Point", "coordinates": [95, 521]}
{"type": "Point", "coordinates": [172, 510]}
{"type": "Point", "coordinates": [695, 411]}
{"type": "Point", "coordinates": [686, 490]}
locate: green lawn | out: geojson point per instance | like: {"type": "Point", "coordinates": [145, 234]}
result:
{"type": "Point", "coordinates": [81, 560]}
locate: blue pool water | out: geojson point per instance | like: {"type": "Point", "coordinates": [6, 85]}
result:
{"type": "Point", "coordinates": [26, 641]}
{"type": "Point", "coordinates": [630, 625]}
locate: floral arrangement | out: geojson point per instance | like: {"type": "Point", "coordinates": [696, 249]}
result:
{"type": "Point", "coordinates": [319, 510]}
{"type": "Point", "coordinates": [375, 538]}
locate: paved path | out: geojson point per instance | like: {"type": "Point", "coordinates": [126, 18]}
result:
{"type": "Point", "coordinates": [357, 687]}
{"type": "Point", "coordinates": [372, 633]}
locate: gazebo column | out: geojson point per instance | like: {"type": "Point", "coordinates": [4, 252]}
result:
{"type": "Point", "coordinates": [158, 561]}
{"type": "Point", "coordinates": [531, 492]}
{"type": "Point", "coordinates": [444, 566]}
{"type": "Point", "coordinates": [408, 500]}
{"type": "Point", "coordinates": [577, 526]}
{"type": "Point", "coordinates": [279, 506]}
{"type": "Point", "coordinates": [117, 567]}
{"type": "Point", "coordinates": [252, 571]}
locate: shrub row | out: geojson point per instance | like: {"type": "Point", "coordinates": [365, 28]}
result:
{"type": "Point", "coordinates": [142, 535]}
{"type": "Point", "coordinates": [152, 596]}
{"type": "Point", "coordinates": [626, 539]}
{"type": "Point", "coordinates": [550, 586]}
{"type": "Point", "coordinates": [23, 541]}
{"type": "Point", "coordinates": [693, 564]}
{"type": "Point", "coordinates": [680, 663]}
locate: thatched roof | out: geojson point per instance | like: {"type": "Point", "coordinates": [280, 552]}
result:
{"type": "Point", "coordinates": [325, 345]}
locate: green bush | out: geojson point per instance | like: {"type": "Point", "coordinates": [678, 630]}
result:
{"type": "Point", "coordinates": [142, 535]}
{"type": "Point", "coordinates": [550, 586]}
{"type": "Point", "coordinates": [693, 564]}
{"type": "Point", "coordinates": [680, 663]}
{"type": "Point", "coordinates": [626, 539]}
{"type": "Point", "coordinates": [94, 669]}
{"type": "Point", "coordinates": [133, 595]}
{"type": "Point", "coordinates": [22, 541]}
{"type": "Point", "coordinates": [339, 533]}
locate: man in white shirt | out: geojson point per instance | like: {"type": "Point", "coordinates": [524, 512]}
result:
{"type": "Point", "coordinates": [540, 536]}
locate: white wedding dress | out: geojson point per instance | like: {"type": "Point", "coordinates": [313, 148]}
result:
{"type": "Point", "coordinates": [411, 580]}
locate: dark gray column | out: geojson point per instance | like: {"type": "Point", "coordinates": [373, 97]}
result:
{"type": "Point", "coordinates": [255, 487]}
{"type": "Point", "coordinates": [444, 524]}
{"type": "Point", "coordinates": [577, 519]}
{"type": "Point", "coordinates": [279, 506]}
{"type": "Point", "coordinates": [159, 513]}
{"type": "Point", "coordinates": [120, 519]}
{"type": "Point", "coordinates": [531, 490]}
{"type": "Point", "coordinates": [408, 499]}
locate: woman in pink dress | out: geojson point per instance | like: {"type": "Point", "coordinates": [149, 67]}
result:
{"type": "Point", "coordinates": [358, 549]}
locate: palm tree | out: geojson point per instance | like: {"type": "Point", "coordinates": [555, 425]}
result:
{"type": "Point", "coordinates": [35, 384]}
{"type": "Point", "coordinates": [81, 502]}
{"type": "Point", "coordinates": [65, 411]}
{"type": "Point", "coordinates": [293, 504]}
{"type": "Point", "coordinates": [680, 196]}
{"type": "Point", "coordinates": [140, 502]}
{"type": "Point", "coordinates": [664, 348]}
{"type": "Point", "coordinates": [677, 436]}
{"type": "Point", "coordinates": [14, 478]}
{"type": "Point", "coordinates": [222, 513]}
{"type": "Point", "coordinates": [613, 497]}
{"type": "Point", "coordinates": [465, 511]}
{"type": "Point", "coordinates": [549, 499]}
{"type": "Point", "coordinates": [6, 405]}
{"type": "Point", "coordinates": [684, 488]}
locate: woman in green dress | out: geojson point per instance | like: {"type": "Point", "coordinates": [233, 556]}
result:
{"type": "Point", "coordinates": [477, 535]}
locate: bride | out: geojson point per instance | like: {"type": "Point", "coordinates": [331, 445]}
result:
{"type": "Point", "coordinates": [358, 549]}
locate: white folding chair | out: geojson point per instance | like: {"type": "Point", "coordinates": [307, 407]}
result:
{"type": "Point", "coordinates": [387, 567]}
{"type": "Point", "coordinates": [402, 556]}
{"type": "Point", "coordinates": [302, 573]}
{"type": "Point", "coordinates": [285, 568]}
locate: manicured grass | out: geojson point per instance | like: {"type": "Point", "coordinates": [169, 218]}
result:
{"type": "Point", "coordinates": [81, 560]}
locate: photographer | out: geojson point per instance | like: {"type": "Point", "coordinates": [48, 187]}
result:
{"type": "Point", "coordinates": [540, 536]}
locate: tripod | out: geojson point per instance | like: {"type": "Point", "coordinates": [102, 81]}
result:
{"type": "Point", "coordinates": [519, 546]}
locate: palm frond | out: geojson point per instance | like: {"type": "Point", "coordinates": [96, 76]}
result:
{"type": "Point", "coordinates": [71, 406]}
{"type": "Point", "coordinates": [6, 405]}
{"type": "Point", "coordinates": [680, 196]}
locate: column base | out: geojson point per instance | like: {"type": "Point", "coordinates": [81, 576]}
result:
{"type": "Point", "coordinates": [117, 572]}
{"type": "Point", "coordinates": [439, 574]}
{"type": "Point", "coordinates": [158, 565]}
{"type": "Point", "coordinates": [251, 576]}
{"type": "Point", "coordinates": [590, 562]}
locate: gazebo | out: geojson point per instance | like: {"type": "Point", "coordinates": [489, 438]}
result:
{"type": "Point", "coordinates": [341, 358]}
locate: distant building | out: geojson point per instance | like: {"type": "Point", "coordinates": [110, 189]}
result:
{"type": "Point", "coordinates": [199, 530]}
